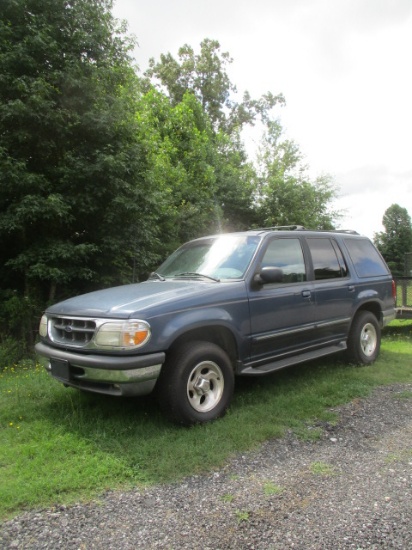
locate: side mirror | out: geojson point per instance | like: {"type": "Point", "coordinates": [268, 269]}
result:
{"type": "Point", "coordinates": [268, 275]}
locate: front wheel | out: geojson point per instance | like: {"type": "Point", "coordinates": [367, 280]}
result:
{"type": "Point", "coordinates": [364, 339]}
{"type": "Point", "coordinates": [196, 383]}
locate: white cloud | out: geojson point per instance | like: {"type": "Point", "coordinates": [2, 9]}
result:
{"type": "Point", "coordinates": [368, 191]}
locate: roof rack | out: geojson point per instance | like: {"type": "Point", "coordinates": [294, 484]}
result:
{"type": "Point", "coordinates": [347, 231]}
{"type": "Point", "coordinates": [302, 228]}
{"type": "Point", "coordinates": [282, 228]}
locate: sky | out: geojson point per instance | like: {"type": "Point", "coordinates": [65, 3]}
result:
{"type": "Point", "coordinates": [344, 67]}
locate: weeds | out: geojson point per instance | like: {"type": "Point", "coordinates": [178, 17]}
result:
{"type": "Point", "coordinates": [242, 516]}
{"type": "Point", "coordinates": [322, 469]}
{"type": "Point", "coordinates": [270, 488]}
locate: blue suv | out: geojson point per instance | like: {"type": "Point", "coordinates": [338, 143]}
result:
{"type": "Point", "coordinates": [232, 304]}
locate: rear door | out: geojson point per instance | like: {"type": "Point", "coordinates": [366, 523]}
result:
{"type": "Point", "coordinates": [282, 314]}
{"type": "Point", "coordinates": [334, 291]}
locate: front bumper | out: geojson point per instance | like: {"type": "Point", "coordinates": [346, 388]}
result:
{"type": "Point", "coordinates": [111, 375]}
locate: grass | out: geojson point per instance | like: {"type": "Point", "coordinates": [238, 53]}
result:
{"type": "Point", "coordinates": [322, 469]}
{"type": "Point", "coordinates": [270, 488]}
{"type": "Point", "coordinates": [58, 445]}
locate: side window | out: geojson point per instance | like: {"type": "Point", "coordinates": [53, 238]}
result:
{"type": "Point", "coordinates": [366, 259]}
{"type": "Point", "coordinates": [328, 262]}
{"type": "Point", "coordinates": [288, 256]}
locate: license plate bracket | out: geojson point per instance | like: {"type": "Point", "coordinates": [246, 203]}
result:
{"type": "Point", "coordinates": [60, 368]}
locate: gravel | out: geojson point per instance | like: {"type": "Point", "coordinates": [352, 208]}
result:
{"type": "Point", "coordinates": [351, 488]}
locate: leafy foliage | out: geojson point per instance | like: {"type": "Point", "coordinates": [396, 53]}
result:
{"type": "Point", "coordinates": [396, 240]}
{"type": "Point", "coordinates": [205, 75]}
{"type": "Point", "coordinates": [286, 194]}
{"type": "Point", "coordinates": [235, 184]}
{"type": "Point", "coordinates": [180, 157]}
{"type": "Point", "coordinates": [69, 159]}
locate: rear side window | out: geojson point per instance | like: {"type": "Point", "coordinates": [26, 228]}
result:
{"type": "Point", "coordinates": [328, 262]}
{"type": "Point", "coordinates": [366, 259]}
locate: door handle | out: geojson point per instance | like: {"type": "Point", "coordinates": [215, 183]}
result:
{"type": "Point", "coordinates": [306, 293]}
{"type": "Point", "coordinates": [351, 288]}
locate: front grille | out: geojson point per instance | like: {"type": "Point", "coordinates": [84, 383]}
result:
{"type": "Point", "coordinates": [76, 332]}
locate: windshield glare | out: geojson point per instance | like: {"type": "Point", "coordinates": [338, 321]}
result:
{"type": "Point", "coordinates": [224, 257]}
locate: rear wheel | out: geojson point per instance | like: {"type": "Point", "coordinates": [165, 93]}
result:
{"type": "Point", "coordinates": [364, 339]}
{"type": "Point", "coordinates": [196, 383]}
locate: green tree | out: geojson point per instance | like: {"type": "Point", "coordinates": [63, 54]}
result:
{"type": "Point", "coordinates": [205, 75]}
{"type": "Point", "coordinates": [396, 240]}
{"type": "Point", "coordinates": [74, 205]}
{"type": "Point", "coordinates": [235, 183]}
{"type": "Point", "coordinates": [180, 157]}
{"type": "Point", "coordinates": [286, 195]}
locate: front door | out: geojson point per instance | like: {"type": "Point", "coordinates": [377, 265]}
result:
{"type": "Point", "coordinates": [282, 314]}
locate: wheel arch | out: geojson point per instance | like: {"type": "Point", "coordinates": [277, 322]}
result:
{"type": "Point", "coordinates": [219, 335]}
{"type": "Point", "coordinates": [372, 307]}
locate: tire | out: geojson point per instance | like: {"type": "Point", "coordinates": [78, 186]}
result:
{"type": "Point", "coordinates": [196, 383]}
{"type": "Point", "coordinates": [364, 339]}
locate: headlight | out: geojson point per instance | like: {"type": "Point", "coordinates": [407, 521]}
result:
{"type": "Point", "coordinates": [43, 326]}
{"type": "Point", "coordinates": [122, 335]}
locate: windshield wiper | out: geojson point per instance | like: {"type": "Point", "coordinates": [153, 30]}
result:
{"type": "Point", "coordinates": [155, 275]}
{"type": "Point", "coordinates": [194, 275]}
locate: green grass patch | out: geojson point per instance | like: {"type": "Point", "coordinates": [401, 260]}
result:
{"type": "Point", "coordinates": [58, 445]}
{"type": "Point", "coordinates": [270, 488]}
{"type": "Point", "coordinates": [322, 469]}
{"type": "Point", "coordinates": [242, 516]}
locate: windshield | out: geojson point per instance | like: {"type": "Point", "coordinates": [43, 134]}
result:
{"type": "Point", "coordinates": [224, 257]}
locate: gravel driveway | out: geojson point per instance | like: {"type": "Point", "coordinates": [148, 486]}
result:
{"type": "Point", "coordinates": [350, 489]}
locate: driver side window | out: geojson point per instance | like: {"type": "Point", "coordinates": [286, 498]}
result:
{"type": "Point", "coordinates": [287, 255]}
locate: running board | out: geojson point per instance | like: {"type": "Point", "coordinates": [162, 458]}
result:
{"type": "Point", "coordinates": [295, 360]}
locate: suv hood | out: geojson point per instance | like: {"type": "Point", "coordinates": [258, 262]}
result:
{"type": "Point", "coordinates": [141, 298]}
